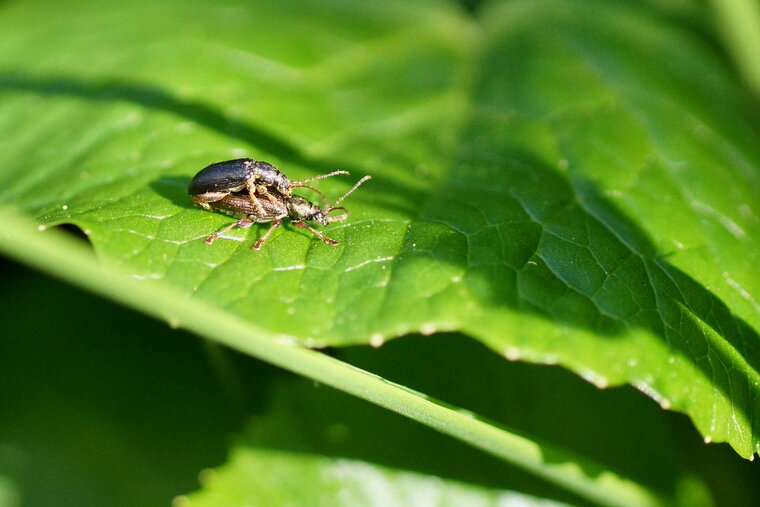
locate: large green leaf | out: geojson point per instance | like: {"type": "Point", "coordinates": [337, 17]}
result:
{"type": "Point", "coordinates": [278, 478]}
{"type": "Point", "coordinates": [568, 182]}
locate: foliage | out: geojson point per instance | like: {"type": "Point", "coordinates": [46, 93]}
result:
{"type": "Point", "coordinates": [567, 182]}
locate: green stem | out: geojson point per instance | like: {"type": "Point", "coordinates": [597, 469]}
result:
{"type": "Point", "coordinates": [740, 26]}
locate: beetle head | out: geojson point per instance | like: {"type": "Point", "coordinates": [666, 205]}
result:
{"type": "Point", "coordinates": [303, 209]}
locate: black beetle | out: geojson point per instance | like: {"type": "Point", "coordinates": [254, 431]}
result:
{"type": "Point", "coordinates": [257, 203]}
{"type": "Point", "coordinates": [216, 181]}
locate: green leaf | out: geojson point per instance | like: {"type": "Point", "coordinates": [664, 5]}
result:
{"type": "Point", "coordinates": [568, 182]}
{"type": "Point", "coordinates": [740, 23]}
{"type": "Point", "coordinates": [264, 477]}
{"type": "Point", "coordinates": [9, 496]}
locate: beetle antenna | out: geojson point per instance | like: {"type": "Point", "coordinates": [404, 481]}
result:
{"type": "Point", "coordinates": [298, 183]}
{"type": "Point", "coordinates": [367, 177]}
{"type": "Point", "coordinates": [338, 218]}
{"type": "Point", "coordinates": [324, 199]}
{"type": "Point", "coordinates": [335, 206]}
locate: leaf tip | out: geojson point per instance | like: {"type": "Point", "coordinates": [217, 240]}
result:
{"type": "Point", "coordinates": [376, 340]}
{"type": "Point", "coordinates": [428, 328]}
{"type": "Point", "coordinates": [180, 501]}
{"type": "Point", "coordinates": [512, 353]}
{"type": "Point", "coordinates": [595, 378]}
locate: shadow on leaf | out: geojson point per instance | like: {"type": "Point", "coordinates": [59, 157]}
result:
{"type": "Point", "coordinates": [541, 243]}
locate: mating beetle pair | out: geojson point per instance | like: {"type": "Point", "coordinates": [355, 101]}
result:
{"type": "Point", "coordinates": [256, 192]}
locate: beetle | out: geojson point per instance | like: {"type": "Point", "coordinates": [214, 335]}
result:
{"type": "Point", "coordinates": [274, 209]}
{"type": "Point", "coordinates": [217, 181]}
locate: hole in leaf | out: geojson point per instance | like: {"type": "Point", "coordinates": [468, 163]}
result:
{"type": "Point", "coordinates": [73, 231]}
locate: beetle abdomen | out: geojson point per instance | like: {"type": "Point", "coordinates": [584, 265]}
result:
{"type": "Point", "coordinates": [239, 205]}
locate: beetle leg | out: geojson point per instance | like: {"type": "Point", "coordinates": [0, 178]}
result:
{"type": "Point", "coordinates": [202, 200]}
{"type": "Point", "coordinates": [254, 200]}
{"type": "Point", "coordinates": [263, 192]}
{"type": "Point", "coordinates": [243, 222]}
{"type": "Point", "coordinates": [304, 225]}
{"type": "Point", "coordinates": [275, 224]}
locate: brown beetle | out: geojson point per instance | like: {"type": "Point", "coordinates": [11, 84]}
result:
{"type": "Point", "coordinates": [256, 199]}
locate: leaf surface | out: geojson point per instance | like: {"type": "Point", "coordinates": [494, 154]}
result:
{"type": "Point", "coordinates": [569, 182]}
{"type": "Point", "coordinates": [273, 477]}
